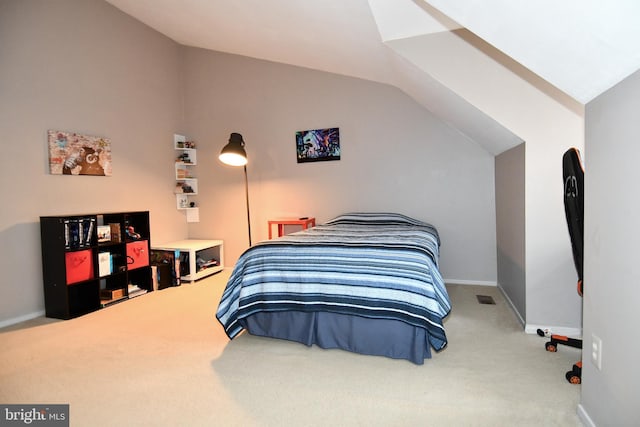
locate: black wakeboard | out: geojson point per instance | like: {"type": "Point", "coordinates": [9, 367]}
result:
{"type": "Point", "coordinates": [573, 176]}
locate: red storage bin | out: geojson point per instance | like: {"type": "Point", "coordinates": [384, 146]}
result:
{"type": "Point", "coordinates": [137, 254]}
{"type": "Point", "coordinates": [79, 266]}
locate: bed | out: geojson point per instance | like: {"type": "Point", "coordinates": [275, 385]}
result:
{"type": "Point", "coordinates": [363, 282]}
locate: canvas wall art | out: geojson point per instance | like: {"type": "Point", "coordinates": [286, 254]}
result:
{"type": "Point", "coordinates": [318, 145]}
{"type": "Point", "coordinates": [76, 154]}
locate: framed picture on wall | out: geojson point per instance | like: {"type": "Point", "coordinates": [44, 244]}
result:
{"type": "Point", "coordinates": [76, 154]}
{"type": "Point", "coordinates": [318, 145]}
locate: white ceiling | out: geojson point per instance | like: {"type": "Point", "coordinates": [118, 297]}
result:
{"type": "Point", "coordinates": [571, 44]}
{"type": "Point", "coordinates": [583, 47]}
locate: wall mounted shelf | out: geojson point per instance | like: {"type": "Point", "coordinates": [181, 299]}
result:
{"type": "Point", "coordinates": [186, 183]}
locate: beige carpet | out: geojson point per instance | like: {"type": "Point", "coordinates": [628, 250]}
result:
{"type": "Point", "coordinates": [163, 360]}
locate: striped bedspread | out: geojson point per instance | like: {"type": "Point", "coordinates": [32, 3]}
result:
{"type": "Point", "coordinates": [364, 264]}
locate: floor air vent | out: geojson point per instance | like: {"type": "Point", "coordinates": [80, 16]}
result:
{"type": "Point", "coordinates": [485, 299]}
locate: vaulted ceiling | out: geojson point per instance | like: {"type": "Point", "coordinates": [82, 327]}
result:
{"type": "Point", "coordinates": [572, 50]}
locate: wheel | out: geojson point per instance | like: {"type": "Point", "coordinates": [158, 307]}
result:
{"type": "Point", "coordinates": [573, 377]}
{"type": "Point", "coordinates": [550, 346]}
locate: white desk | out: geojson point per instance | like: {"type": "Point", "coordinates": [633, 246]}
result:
{"type": "Point", "coordinates": [205, 249]}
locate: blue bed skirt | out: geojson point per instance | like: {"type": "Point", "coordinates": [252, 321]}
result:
{"type": "Point", "coordinates": [378, 337]}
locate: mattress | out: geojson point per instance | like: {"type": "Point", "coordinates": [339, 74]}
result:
{"type": "Point", "coordinates": [353, 273]}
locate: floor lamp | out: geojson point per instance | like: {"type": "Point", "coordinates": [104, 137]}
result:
{"type": "Point", "coordinates": [233, 154]}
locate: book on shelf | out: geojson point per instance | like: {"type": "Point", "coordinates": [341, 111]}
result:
{"type": "Point", "coordinates": [104, 233]}
{"type": "Point", "coordinates": [78, 232]}
{"type": "Point", "coordinates": [105, 264]}
{"type": "Point", "coordinates": [88, 225]}
{"type": "Point", "coordinates": [72, 234]}
{"type": "Point", "coordinates": [202, 264]}
{"type": "Point", "coordinates": [111, 296]}
{"type": "Point", "coordinates": [108, 302]}
{"type": "Point", "coordinates": [115, 232]}
{"type": "Point", "coordinates": [135, 290]}
{"type": "Point", "coordinates": [67, 234]}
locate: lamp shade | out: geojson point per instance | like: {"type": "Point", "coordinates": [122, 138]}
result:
{"type": "Point", "coordinates": [233, 153]}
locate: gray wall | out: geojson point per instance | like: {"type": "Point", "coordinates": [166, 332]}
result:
{"type": "Point", "coordinates": [550, 123]}
{"type": "Point", "coordinates": [84, 66]}
{"type": "Point", "coordinates": [395, 157]}
{"type": "Point", "coordinates": [80, 66]}
{"type": "Point", "coordinates": [611, 296]}
{"type": "Point", "coordinates": [510, 227]}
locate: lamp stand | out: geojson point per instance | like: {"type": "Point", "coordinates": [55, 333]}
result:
{"type": "Point", "coordinates": [246, 191]}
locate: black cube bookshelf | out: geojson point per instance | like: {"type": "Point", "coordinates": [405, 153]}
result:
{"type": "Point", "coordinates": [92, 261]}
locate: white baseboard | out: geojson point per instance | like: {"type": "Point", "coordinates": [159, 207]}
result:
{"type": "Point", "coordinates": [530, 328]}
{"type": "Point", "coordinates": [556, 330]}
{"type": "Point", "coordinates": [469, 282]}
{"type": "Point", "coordinates": [584, 417]}
{"type": "Point", "coordinates": [13, 321]}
